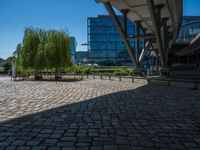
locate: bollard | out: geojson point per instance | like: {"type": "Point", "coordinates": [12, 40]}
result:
{"type": "Point", "coordinates": [81, 77]}
{"type": "Point", "coordinates": [101, 77]}
{"type": "Point", "coordinates": [87, 76]}
{"type": "Point", "coordinates": [132, 79]}
{"type": "Point", "coordinates": [120, 79]}
{"type": "Point", "coordinates": [109, 77]}
{"type": "Point", "coordinates": [93, 76]}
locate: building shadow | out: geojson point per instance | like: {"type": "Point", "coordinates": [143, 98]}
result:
{"type": "Point", "coordinates": [150, 117]}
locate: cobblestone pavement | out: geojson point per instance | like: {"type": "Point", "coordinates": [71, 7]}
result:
{"type": "Point", "coordinates": [98, 114]}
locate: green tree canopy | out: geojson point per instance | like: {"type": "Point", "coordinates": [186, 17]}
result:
{"type": "Point", "coordinates": [43, 49]}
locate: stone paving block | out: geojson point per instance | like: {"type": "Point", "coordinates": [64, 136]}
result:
{"type": "Point", "coordinates": [84, 139]}
{"type": "Point", "coordinates": [82, 148]}
{"type": "Point", "coordinates": [46, 131]}
{"type": "Point", "coordinates": [55, 136]}
{"type": "Point", "coordinates": [122, 141]}
{"type": "Point", "coordinates": [69, 139]}
{"type": "Point", "coordinates": [98, 114]}
{"type": "Point", "coordinates": [19, 143]}
{"type": "Point", "coordinates": [96, 148]}
{"type": "Point", "coordinates": [53, 148]}
{"type": "Point", "coordinates": [66, 144]}
{"type": "Point", "coordinates": [9, 148]}
{"type": "Point", "coordinates": [110, 147]}
{"type": "Point", "coordinates": [33, 143]}
{"type": "Point", "coordinates": [23, 148]}
{"type": "Point", "coordinates": [39, 148]}
{"type": "Point", "coordinates": [124, 147]}
{"type": "Point", "coordinates": [82, 144]}
{"type": "Point", "coordinates": [68, 148]}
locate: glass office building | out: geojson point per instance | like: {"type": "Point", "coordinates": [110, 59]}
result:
{"type": "Point", "coordinates": [189, 29]}
{"type": "Point", "coordinates": [105, 45]}
{"type": "Point", "coordinates": [73, 44]}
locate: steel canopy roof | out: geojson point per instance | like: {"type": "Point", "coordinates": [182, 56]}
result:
{"type": "Point", "coordinates": [138, 11]}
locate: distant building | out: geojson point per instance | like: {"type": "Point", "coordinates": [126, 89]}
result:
{"type": "Point", "coordinates": [190, 28]}
{"type": "Point", "coordinates": [73, 49]}
{"type": "Point", "coordinates": [82, 57]}
{"type": "Point", "coordinates": [105, 45]}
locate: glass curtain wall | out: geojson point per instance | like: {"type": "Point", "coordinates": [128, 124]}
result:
{"type": "Point", "coordinates": [189, 29]}
{"type": "Point", "coordinates": [105, 45]}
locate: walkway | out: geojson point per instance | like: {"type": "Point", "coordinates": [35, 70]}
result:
{"type": "Point", "coordinates": [98, 114]}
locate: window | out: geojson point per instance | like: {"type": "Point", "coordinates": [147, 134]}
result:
{"type": "Point", "coordinates": [97, 45]}
{"type": "Point", "coordinates": [111, 45]}
{"type": "Point", "coordinates": [120, 45]}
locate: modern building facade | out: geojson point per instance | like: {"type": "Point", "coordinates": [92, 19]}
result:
{"type": "Point", "coordinates": [187, 41]}
{"type": "Point", "coordinates": [82, 57]}
{"type": "Point", "coordinates": [189, 29]}
{"type": "Point", "coordinates": [105, 45]}
{"type": "Point", "coordinates": [73, 49]}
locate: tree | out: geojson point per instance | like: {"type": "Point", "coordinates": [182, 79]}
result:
{"type": "Point", "coordinates": [58, 45]}
{"type": "Point", "coordinates": [44, 49]}
{"type": "Point", "coordinates": [17, 57]}
{"type": "Point", "coordinates": [7, 64]}
{"type": "Point", "coordinates": [29, 49]}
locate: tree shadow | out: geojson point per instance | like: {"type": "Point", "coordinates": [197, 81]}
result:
{"type": "Point", "coordinates": [150, 117]}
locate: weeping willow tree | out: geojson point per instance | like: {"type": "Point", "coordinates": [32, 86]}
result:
{"type": "Point", "coordinates": [58, 46]}
{"type": "Point", "coordinates": [45, 49]}
{"type": "Point", "coordinates": [29, 49]}
{"type": "Point", "coordinates": [17, 58]}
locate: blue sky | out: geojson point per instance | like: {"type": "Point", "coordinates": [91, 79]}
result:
{"type": "Point", "coordinates": [15, 15]}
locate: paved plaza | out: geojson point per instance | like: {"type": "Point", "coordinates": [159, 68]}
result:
{"type": "Point", "coordinates": [98, 114]}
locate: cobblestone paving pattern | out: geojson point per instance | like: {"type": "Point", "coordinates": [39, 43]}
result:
{"type": "Point", "coordinates": [97, 114]}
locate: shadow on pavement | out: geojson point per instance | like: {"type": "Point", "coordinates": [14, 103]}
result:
{"type": "Point", "coordinates": [150, 117]}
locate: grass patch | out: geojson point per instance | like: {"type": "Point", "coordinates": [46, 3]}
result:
{"type": "Point", "coordinates": [2, 69]}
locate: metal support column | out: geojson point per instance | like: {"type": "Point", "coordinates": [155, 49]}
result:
{"type": "Point", "coordinates": [165, 40]}
{"type": "Point", "coordinates": [137, 40]}
{"type": "Point", "coordinates": [125, 12]}
{"type": "Point", "coordinates": [156, 26]}
{"type": "Point", "coordinates": [121, 32]}
{"type": "Point", "coordinates": [144, 50]}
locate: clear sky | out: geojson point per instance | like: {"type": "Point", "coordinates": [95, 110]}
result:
{"type": "Point", "coordinates": [15, 15]}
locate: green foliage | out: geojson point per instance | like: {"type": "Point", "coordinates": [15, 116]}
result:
{"type": "Point", "coordinates": [88, 70]}
{"type": "Point", "coordinates": [7, 64]}
{"type": "Point", "coordinates": [106, 71]}
{"type": "Point", "coordinates": [123, 71]}
{"type": "Point", "coordinates": [43, 49]}
{"type": "Point", "coordinates": [17, 58]}
{"type": "Point", "coordinates": [79, 70]}
{"type": "Point", "coordinates": [2, 69]}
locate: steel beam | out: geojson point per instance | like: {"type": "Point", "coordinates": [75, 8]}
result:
{"type": "Point", "coordinates": [147, 36]}
{"type": "Point", "coordinates": [156, 26]}
{"type": "Point", "coordinates": [156, 52]}
{"type": "Point", "coordinates": [165, 39]}
{"type": "Point", "coordinates": [121, 32]}
{"type": "Point", "coordinates": [125, 12]}
{"type": "Point", "coordinates": [144, 50]}
{"type": "Point", "coordinates": [137, 40]}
